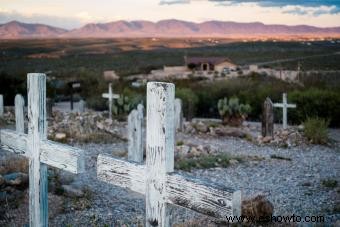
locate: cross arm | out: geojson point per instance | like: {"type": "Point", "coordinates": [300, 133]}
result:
{"type": "Point", "coordinates": [291, 105]}
{"type": "Point", "coordinates": [113, 96]}
{"type": "Point", "coordinates": [278, 105]}
{"type": "Point", "coordinates": [202, 196]}
{"type": "Point", "coordinates": [53, 154]}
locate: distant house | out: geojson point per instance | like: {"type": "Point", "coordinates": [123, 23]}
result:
{"type": "Point", "coordinates": [219, 64]}
{"type": "Point", "coordinates": [110, 76]}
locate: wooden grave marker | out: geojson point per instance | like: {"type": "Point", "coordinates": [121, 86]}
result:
{"type": "Point", "coordinates": [284, 105]}
{"type": "Point", "coordinates": [40, 151]}
{"type": "Point", "coordinates": [19, 113]}
{"type": "Point", "coordinates": [178, 115]}
{"type": "Point", "coordinates": [157, 179]}
{"type": "Point", "coordinates": [268, 118]}
{"type": "Point", "coordinates": [110, 96]}
{"type": "Point", "coordinates": [135, 135]}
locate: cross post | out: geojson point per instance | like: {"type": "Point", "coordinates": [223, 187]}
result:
{"type": "Point", "coordinates": [110, 96]}
{"type": "Point", "coordinates": [39, 150]}
{"type": "Point", "coordinates": [19, 113]}
{"type": "Point", "coordinates": [157, 179]}
{"type": "Point", "coordinates": [284, 105]}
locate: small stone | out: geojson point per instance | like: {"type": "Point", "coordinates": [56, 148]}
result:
{"type": "Point", "coordinates": [71, 191]}
{"type": "Point", "coordinates": [301, 128]}
{"type": "Point", "coordinates": [120, 153]}
{"type": "Point", "coordinates": [60, 136]}
{"type": "Point", "coordinates": [201, 127]}
{"type": "Point", "coordinates": [108, 122]}
{"type": "Point", "coordinates": [307, 184]}
{"type": "Point", "coordinates": [17, 179]}
{"type": "Point", "coordinates": [233, 162]}
{"type": "Point", "coordinates": [194, 152]}
{"type": "Point", "coordinates": [266, 139]}
{"type": "Point", "coordinates": [337, 223]}
{"type": "Point", "coordinates": [100, 125]}
{"type": "Point", "coordinates": [183, 150]}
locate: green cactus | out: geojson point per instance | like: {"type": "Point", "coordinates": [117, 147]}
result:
{"type": "Point", "coordinates": [232, 112]}
{"type": "Point", "coordinates": [121, 106]}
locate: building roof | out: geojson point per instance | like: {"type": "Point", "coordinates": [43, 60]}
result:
{"type": "Point", "coordinates": [110, 75]}
{"type": "Point", "coordinates": [211, 60]}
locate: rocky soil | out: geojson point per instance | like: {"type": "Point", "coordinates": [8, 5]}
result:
{"type": "Point", "coordinates": [295, 176]}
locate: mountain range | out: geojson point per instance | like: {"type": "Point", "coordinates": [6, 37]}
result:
{"type": "Point", "coordinates": [164, 28]}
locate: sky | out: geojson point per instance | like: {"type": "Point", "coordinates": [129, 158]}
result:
{"type": "Point", "coordinates": [75, 13]}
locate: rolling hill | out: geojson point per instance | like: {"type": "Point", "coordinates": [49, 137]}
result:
{"type": "Point", "coordinates": [164, 28]}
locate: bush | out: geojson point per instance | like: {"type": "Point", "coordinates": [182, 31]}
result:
{"type": "Point", "coordinates": [315, 102]}
{"type": "Point", "coordinates": [232, 112]}
{"type": "Point", "coordinates": [189, 100]}
{"type": "Point", "coordinates": [316, 130]}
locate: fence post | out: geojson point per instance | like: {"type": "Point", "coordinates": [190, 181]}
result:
{"type": "Point", "coordinates": [160, 150]}
{"type": "Point", "coordinates": [19, 113]}
{"type": "Point", "coordinates": [38, 205]}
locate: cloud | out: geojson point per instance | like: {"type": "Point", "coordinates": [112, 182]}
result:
{"type": "Point", "coordinates": [174, 2]}
{"type": "Point", "coordinates": [62, 22]}
{"type": "Point", "coordinates": [314, 7]}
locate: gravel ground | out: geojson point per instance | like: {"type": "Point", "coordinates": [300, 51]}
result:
{"type": "Point", "coordinates": [294, 186]}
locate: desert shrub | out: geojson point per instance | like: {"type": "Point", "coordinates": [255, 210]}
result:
{"type": "Point", "coordinates": [316, 130]}
{"type": "Point", "coordinates": [315, 102]}
{"type": "Point", "coordinates": [96, 103]}
{"type": "Point", "coordinates": [189, 100]}
{"type": "Point", "coordinates": [329, 183]}
{"type": "Point", "coordinates": [204, 162]}
{"type": "Point", "coordinates": [232, 111]}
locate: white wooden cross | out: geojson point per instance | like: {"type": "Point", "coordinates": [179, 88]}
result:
{"type": "Point", "coordinates": [284, 105]}
{"type": "Point", "coordinates": [40, 151]}
{"type": "Point", "coordinates": [135, 134]}
{"type": "Point", "coordinates": [19, 113]}
{"type": "Point", "coordinates": [178, 115]}
{"type": "Point", "coordinates": [110, 96]}
{"type": "Point", "coordinates": [157, 179]}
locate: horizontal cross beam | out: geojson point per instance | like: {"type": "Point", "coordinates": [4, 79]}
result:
{"type": "Point", "coordinates": [112, 96]}
{"type": "Point", "coordinates": [284, 105]}
{"type": "Point", "coordinates": [202, 196]}
{"type": "Point", "coordinates": [53, 154]}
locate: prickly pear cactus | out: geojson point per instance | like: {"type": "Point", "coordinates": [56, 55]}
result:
{"type": "Point", "coordinates": [232, 112]}
{"type": "Point", "coordinates": [121, 106]}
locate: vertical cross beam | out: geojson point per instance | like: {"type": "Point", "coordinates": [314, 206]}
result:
{"type": "Point", "coordinates": [38, 194]}
{"type": "Point", "coordinates": [159, 151]}
{"type": "Point", "coordinates": [178, 115]}
{"type": "Point", "coordinates": [19, 113]}
{"type": "Point", "coordinates": [1, 105]}
{"type": "Point", "coordinates": [135, 152]}
{"type": "Point", "coordinates": [140, 109]}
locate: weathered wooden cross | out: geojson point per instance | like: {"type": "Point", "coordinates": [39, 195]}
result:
{"type": "Point", "coordinates": [157, 179]}
{"type": "Point", "coordinates": [40, 151]}
{"type": "Point", "coordinates": [284, 105]}
{"type": "Point", "coordinates": [178, 115]}
{"type": "Point", "coordinates": [110, 96]}
{"type": "Point", "coordinates": [135, 134]}
{"type": "Point", "coordinates": [19, 113]}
